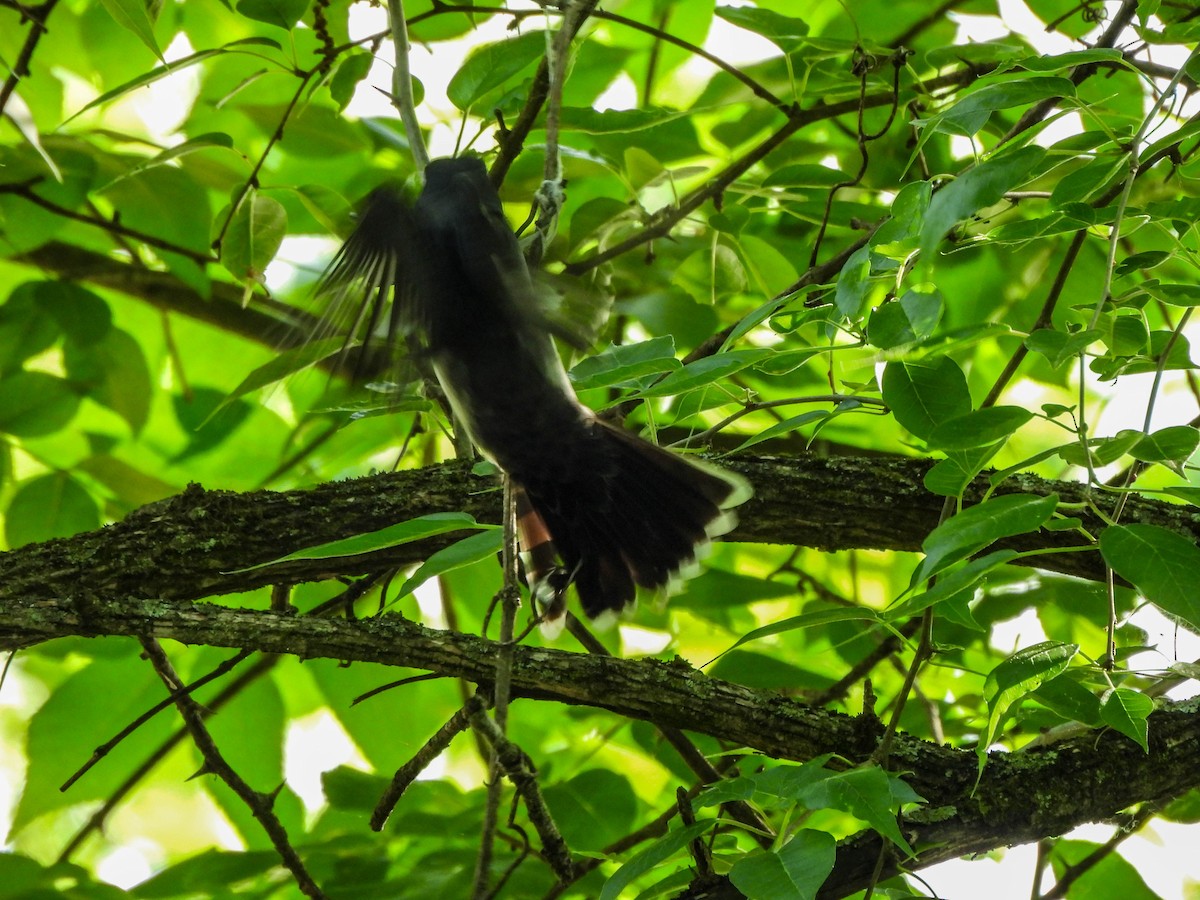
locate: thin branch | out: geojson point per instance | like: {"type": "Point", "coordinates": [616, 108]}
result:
{"type": "Point", "coordinates": [513, 140]}
{"type": "Point", "coordinates": [104, 749]}
{"type": "Point", "coordinates": [431, 750]}
{"type": "Point", "coordinates": [260, 805]}
{"type": "Point", "coordinates": [97, 819]}
{"type": "Point", "coordinates": [1097, 856]}
{"type": "Point", "coordinates": [705, 771]}
{"type": "Point", "coordinates": [1075, 783]}
{"type": "Point", "coordinates": [402, 90]}
{"type": "Point", "coordinates": [276, 136]}
{"type": "Point", "coordinates": [25, 191]}
{"type": "Point", "coordinates": [36, 16]}
{"type": "Point", "coordinates": [662, 223]}
{"type": "Point", "coordinates": [515, 764]}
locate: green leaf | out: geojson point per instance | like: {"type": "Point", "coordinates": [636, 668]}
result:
{"type": "Point", "coordinates": [191, 145]}
{"type": "Point", "coordinates": [866, 793]}
{"type": "Point", "coordinates": [652, 857]}
{"type": "Point", "coordinates": [492, 65]}
{"type": "Point", "coordinates": [853, 281]}
{"type": "Point", "coordinates": [281, 366]}
{"type": "Point", "coordinates": [26, 327]}
{"type": "Point", "coordinates": [1174, 444]}
{"type": "Point", "coordinates": [951, 583]}
{"type": "Point", "coordinates": [281, 13]}
{"type": "Point", "coordinates": [1160, 563]}
{"type": "Point", "coordinates": [784, 428]}
{"type": "Point", "coordinates": [586, 120]}
{"type": "Point", "coordinates": [393, 536]}
{"type": "Point", "coordinates": [896, 235]}
{"type": "Point", "coordinates": [163, 71]}
{"type": "Point", "coordinates": [950, 476]}
{"type": "Point", "coordinates": [350, 71]}
{"type": "Point", "coordinates": [1174, 294]}
{"type": "Point", "coordinates": [171, 204]}
{"type": "Point", "coordinates": [1187, 494]}
{"type": "Point", "coordinates": [1060, 346]}
{"type": "Point", "coordinates": [979, 428]}
{"type": "Point", "coordinates": [34, 404]}
{"type": "Point", "coordinates": [210, 872]}
{"type": "Point", "coordinates": [1070, 699]}
{"type": "Point", "coordinates": [592, 809]}
{"type": "Point", "coordinates": [317, 132]}
{"type": "Point", "coordinates": [976, 189]}
{"type": "Point", "coordinates": [705, 371]}
{"type": "Point", "coordinates": [466, 552]}
{"type": "Point", "coordinates": [50, 506]}
{"type": "Point", "coordinates": [81, 314]}
{"type": "Point", "coordinates": [1022, 673]}
{"type": "Point", "coordinates": [132, 15]}
{"type": "Point", "coordinates": [795, 871]}
{"type": "Point", "coordinates": [805, 620]}
{"type": "Point", "coordinates": [969, 115]}
{"type": "Point", "coordinates": [626, 365]}
{"type": "Point", "coordinates": [979, 526]}
{"type": "Point", "coordinates": [907, 321]}
{"type": "Point", "coordinates": [1103, 875]}
{"type": "Point", "coordinates": [352, 789]}
{"type": "Point", "coordinates": [1139, 262]}
{"type": "Point", "coordinates": [112, 370]}
{"type": "Point", "coordinates": [923, 394]}
{"type": "Point", "coordinates": [1128, 334]}
{"type": "Point", "coordinates": [253, 237]}
{"type": "Point", "coordinates": [84, 710]}
{"type": "Point", "coordinates": [1060, 61]}
{"type": "Point", "coordinates": [785, 32]}
{"type": "Point", "coordinates": [1127, 712]}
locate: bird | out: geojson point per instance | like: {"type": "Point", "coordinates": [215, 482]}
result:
{"type": "Point", "coordinates": [597, 506]}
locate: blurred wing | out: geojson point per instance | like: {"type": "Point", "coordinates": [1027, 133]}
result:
{"type": "Point", "coordinates": [373, 283]}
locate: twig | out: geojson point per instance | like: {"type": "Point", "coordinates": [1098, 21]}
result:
{"type": "Point", "coordinates": [1072, 874]}
{"type": "Point", "coordinates": [276, 136]}
{"type": "Point", "coordinates": [433, 748]}
{"type": "Point", "coordinates": [104, 749]}
{"type": "Point", "coordinates": [683, 745]}
{"type": "Point", "coordinates": [515, 764]}
{"type": "Point", "coordinates": [514, 139]}
{"type": "Point", "coordinates": [663, 222]}
{"type": "Point", "coordinates": [260, 805]}
{"type": "Point", "coordinates": [501, 691]}
{"type": "Point", "coordinates": [25, 192]}
{"type": "Point", "coordinates": [402, 92]}
{"type": "Point", "coordinates": [37, 16]}
{"type": "Point", "coordinates": [97, 819]}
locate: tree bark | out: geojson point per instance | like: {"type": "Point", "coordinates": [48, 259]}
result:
{"type": "Point", "coordinates": [1020, 797]}
{"type": "Point", "coordinates": [203, 543]}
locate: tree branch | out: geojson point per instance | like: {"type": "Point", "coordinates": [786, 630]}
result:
{"type": "Point", "coordinates": [1021, 796]}
{"type": "Point", "coordinates": [203, 543]}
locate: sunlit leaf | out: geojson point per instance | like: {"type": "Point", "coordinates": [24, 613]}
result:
{"type": "Point", "coordinates": [795, 871]}
{"type": "Point", "coordinates": [1160, 563]}
{"type": "Point", "coordinates": [1022, 673]}
{"type": "Point", "coordinates": [924, 394]}
{"type": "Point", "coordinates": [49, 506]}
{"type": "Point", "coordinates": [490, 66]}
{"type": "Point", "coordinates": [1127, 712]}
{"type": "Point", "coordinates": [979, 526]}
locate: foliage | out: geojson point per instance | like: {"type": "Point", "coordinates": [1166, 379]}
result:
{"type": "Point", "coordinates": [879, 240]}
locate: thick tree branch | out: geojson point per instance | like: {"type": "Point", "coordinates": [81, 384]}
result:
{"type": "Point", "coordinates": [1021, 796]}
{"type": "Point", "coordinates": [202, 543]}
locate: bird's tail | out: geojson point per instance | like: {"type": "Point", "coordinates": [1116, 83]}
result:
{"type": "Point", "coordinates": [629, 514]}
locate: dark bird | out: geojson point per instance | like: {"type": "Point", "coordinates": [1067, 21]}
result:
{"type": "Point", "coordinates": [597, 506]}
